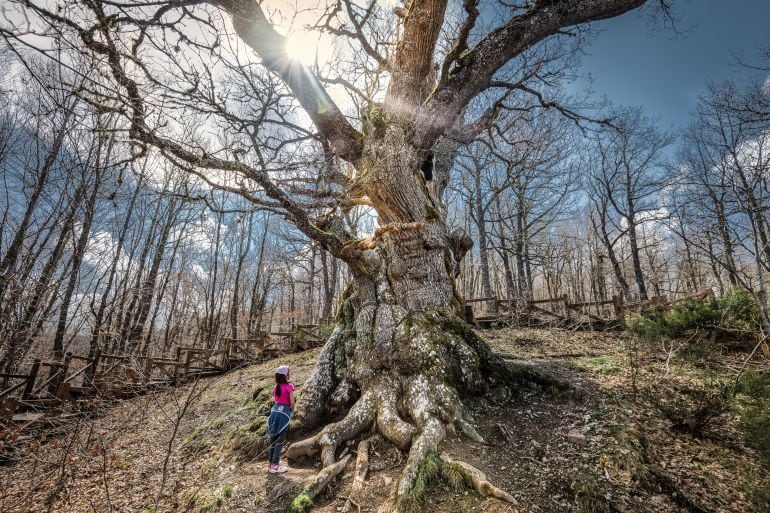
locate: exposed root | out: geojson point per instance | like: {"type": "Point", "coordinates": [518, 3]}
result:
{"type": "Point", "coordinates": [433, 432]}
{"type": "Point", "coordinates": [411, 370]}
{"type": "Point", "coordinates": [306, 447]}
{"type": "Point", "coordinates": [478, 480]}
{"type": "Point", "coordinates": [319, 385]}
{"type": "Point", "coordinates": [359, 477]}
{"type": "Point", "coordinates": [315, 485]}
{"type": "Point", "coordinates": [526, 374]}
{"type": "Point", "coordinates": [469, 431]}
{"type": "Point", "coordinates": [389, 423]}
{"type": "Point", "coordinates": [359, 418]}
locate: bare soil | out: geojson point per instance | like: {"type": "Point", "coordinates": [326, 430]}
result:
{"type": "Point", "coordinates": [603, 446]}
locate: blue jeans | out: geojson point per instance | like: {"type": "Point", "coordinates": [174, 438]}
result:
{"type": "Point", "coordinates": [277, 428]}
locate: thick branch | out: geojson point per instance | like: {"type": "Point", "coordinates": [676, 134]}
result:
{"type": "Point", "coordinates": [413, 60]}
{"type": "Point", "coordinates": [253, 27]}
{"type": "Point", "coordinates": [476, 68]}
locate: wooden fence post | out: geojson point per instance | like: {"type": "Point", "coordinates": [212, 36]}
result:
{"type": "Point", "coordinates": [147, 370]}
{"type": "Point", "coordinates": [91, 373]}
{"type": "Point", "coordinates": [617, 306]}
{"type": "Point", "coordinates": [62, 377]}
{"type": "Point", "coordinates": [31, 379]}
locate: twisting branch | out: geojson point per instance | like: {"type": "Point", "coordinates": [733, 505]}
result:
{"type": "Point", "coordinates": [461, 44]}
{"type": "Point", "coordinates": [139, 130]}
{"type": "Point", "coordinates": [474, 72]}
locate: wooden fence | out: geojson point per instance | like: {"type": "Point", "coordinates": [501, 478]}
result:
{"type": "Point", "coordinates": [607, 314]}
{"type": "Point", "coordinates": [78, 377]}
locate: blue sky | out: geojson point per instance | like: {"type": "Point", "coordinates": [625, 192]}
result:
{"type": "Point", "coordinates": [631, 64]}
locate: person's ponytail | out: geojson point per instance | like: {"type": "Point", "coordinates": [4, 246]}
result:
{"type": "Point", "coordinates": [280, 379]}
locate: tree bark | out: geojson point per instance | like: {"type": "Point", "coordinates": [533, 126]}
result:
{"type": "Point", "coordinates": [481, 227]}
{"type": "Point", "coordinates": [636, 261]}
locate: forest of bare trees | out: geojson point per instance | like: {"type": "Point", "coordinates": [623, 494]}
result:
{"type": "Point", "coordinates": [131, 230]}
{"type": "Point", "coordinates": [130, 255]}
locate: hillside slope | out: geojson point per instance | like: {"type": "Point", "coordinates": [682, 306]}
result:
{"type": "Point", "coordinates": [606, 445]}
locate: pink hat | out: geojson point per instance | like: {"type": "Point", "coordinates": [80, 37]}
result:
{"type": "Point", "coordinates": [283, 369]}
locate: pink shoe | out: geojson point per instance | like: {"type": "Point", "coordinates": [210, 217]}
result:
{"type": "Point", "coordinates": [280, 469]}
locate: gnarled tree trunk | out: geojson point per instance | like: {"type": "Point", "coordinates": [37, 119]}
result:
{"type": "Point", "coordinates": [401, 357]}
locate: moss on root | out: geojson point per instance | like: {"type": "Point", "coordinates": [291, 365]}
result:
{"type": "Point", "coordinates": [301, 503]}
{"type": "Point", "coordinates": [434, 472]}
{"type": "Point", "coordinates": [429, 472]}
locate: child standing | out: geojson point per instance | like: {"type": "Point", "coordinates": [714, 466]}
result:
{"type": "Point", "coordinates": [278, 421]}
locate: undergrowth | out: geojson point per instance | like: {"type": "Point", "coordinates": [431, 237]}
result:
{"type": "Point", "coordinates": [754, 409]}
{"type": "Point", "coordinates": [692, 410]}
{"type": "Point", "coordinates": [249, 440]}
{"type": "Point", "coordinates": [587, 496]}
{"type": "Point", "coordinates": [733, 316]}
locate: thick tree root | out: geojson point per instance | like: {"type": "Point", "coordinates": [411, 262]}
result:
{"type": "Point", "coordinates": [359, 477]}
{"type": "Point", "coordinates": [427, 441]}
{"type": "Point", "coordinates": [478, 480]}
{"type": "Point", "coordinates": [470, 431]}
{"type": "Point", "coordinates": [315, 485]}
{"type": "Point", "coordinates": [359, 418]}
{"type": "Point", "coordinates": [408, 373]}
{"type": "Point", "coordinates": [389, 423]}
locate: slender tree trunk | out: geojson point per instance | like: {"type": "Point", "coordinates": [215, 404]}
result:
{"type": "Point", "coordinates": [113, 269]}
{"type": "Point", "coordinates": [147, 289]}
{"type": "Point", "coordinates": [310, 285]}
{"type": "Point", "coordinates": [77, 259]}
{"type": "Point", "coordinates": [636, 261]}
{"type": "Point", "coordinates": [510, 286]}
{"type": "Point", "coordinates": [481, 226]}
{"type": "Point", "coordinates": [212, 302]}
{"type": "Point", "coordinates": [23, 332]}
{"type": "Point", "coordinates": [257, 300]}
{"type": "Point", "coordinates": [243, 249]}
{"type": "Point", "coordinates": [14, 249]}
{"type": "Point", "coordinates": [600, 227]}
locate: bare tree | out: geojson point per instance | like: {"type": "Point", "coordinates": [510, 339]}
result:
{"type": "Point", "coordinates": [385, 360]}
{"type": "Point", "coordinates": [629, 175]}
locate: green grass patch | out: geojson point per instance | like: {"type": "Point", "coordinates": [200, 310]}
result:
{"type": "Point", "coordinates": [597, 365]}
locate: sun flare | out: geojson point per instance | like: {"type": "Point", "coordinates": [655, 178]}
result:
{"type": "Point", "coordinates": [309, 47]}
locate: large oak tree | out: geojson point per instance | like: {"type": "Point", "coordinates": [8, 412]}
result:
{"type": "Point", "coordinates": [400, 357]}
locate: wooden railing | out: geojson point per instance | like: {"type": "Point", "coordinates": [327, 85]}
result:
{"type": "Point", "coordinates": [77, 377]}
{"type": "Point", "coordinates": [558, 310]}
